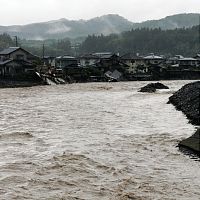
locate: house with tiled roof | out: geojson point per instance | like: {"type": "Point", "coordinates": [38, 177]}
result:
{"type": "Point", "coordinates": [135, 62]}
{"type": "Point", "coordinates": [16, 53]}
{"type": "Point", "coordinates": [153, 59]}
{"type": "Point", "coordinates": [16, 62]}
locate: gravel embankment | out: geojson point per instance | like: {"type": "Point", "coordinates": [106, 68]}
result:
{"type": "Point", "coordinates": [187, 100]}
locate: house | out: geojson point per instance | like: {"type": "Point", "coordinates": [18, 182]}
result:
{"type": "Point", "coordinates": [15, 62]}
{"type": "Point", "coordinates": [182, 62]}
{"type": "Point", "coordinates": [112, 63]}
{"type": "Point", "coordinates": [49, 61]}
{"type": "Point", "coordinates": [16, 53]}
{"type": "Point", "coordinates": [156, 64]}
{"type": "Point", "coordinates": [187, 62]}
{"type": "Point", "coordinates": [88, 60]}
{"type": "Point", "coordinates": [173, 61]}
{"type": "Point", "coordinates": [95, 58]}
{"type": "Point", "coordinates": [152, 59]}
{"type": "Point", "coordinates": [16, 69]}
{"type": "Point", "coordinates": [178, 61]}
{"type": "Point", "coordinates": [135, 62]}
{"type": "Point", "coordinates": [109, 60]}
{"type": "Point", "coordinates": [66, 61]}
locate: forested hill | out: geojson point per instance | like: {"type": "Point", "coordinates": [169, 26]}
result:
{"type": "Point", "coordinates": [171, 22]}
{"type": "Point", "coordinates": [179, 41]}
{"type": "Point", "coordinates": [52, 47]}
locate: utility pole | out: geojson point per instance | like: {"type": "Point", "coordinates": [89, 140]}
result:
{"type": "Point", "coordinates": [43, 51]}
{"type": "Point", "coordinates": [199, 34]}
{"type": "Point", "coordinates": [16, 41]}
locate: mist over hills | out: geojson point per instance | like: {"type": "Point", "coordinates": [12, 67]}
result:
{"type": "Point", "coordinates": [106, 25]}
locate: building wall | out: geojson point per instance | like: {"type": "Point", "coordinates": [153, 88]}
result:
{"type": "Point", "coordinates": [133, 65]}
{"type": "Point", "coordinates": [188, 62]}
{"type": "Point", "coordinates": [19, 54]}
{"type": "Point", "coordinates": [15, 69]}
{"type": "Point", "coordinates": [153, 61]}
{"type": "Point", "coordinates": [65, 62]}
{"type": "Point", "coordinates": [86, 62]}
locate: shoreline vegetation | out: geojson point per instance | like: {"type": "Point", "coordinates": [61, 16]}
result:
{"type": "Point", "coordinates": [187, 100]}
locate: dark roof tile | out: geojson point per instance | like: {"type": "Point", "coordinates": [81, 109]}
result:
{"type": "Point", "coordinates": [9, 50]}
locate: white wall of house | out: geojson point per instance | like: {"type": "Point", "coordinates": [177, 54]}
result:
{"type": "Point", "coordinates": [153, 61]}
{"type": "Point", "coordinates": [86, 61]}
{"type": "Point", "coordinates": [133, 65]}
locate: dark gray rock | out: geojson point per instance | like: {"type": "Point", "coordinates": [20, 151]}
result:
{"type": "Point", "coordinates": [151, 87]}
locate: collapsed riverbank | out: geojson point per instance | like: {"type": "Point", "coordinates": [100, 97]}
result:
{"type": "Point", "coordinates": [187, 100]}
{"type": "Point", "coordinates": [17, 84]}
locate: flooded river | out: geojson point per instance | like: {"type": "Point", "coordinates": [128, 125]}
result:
{"type": "Point", "coordinates": [94, 141]}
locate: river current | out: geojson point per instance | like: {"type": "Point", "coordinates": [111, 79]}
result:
{"type": "Point", "coordinates": [94, 141]}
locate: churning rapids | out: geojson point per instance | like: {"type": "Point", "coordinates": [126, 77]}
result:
{"type": "Point", "coordinates": [94, 141]}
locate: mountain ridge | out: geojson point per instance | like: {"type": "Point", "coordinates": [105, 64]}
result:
{"type": "Point", "coordinates": [106, 24]}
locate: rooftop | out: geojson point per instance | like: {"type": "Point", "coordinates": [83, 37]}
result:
{"type": "Point", "coordinates": [66, 57]}
{"type": "Point", "coordinates": [152, 56]}
{"type": "Point", "coordinates": [103, 55]}
{"type": "Point", "coordinates": [188, 59]}
{"type": "Point", "coordinates": [131, 56]}
{"type": "Point", "coordinates": [9, 50]}
{"type": "Point", "coordinates": [89, 56]}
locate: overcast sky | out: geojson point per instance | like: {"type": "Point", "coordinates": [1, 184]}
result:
{"type": "Point", "coordinates": [29, 11]}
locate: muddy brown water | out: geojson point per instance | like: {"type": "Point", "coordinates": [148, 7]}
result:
{"type": "Point", "coordinates": [98, 141]}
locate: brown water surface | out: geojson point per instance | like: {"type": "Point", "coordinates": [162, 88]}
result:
{"type": "Point", "coordinates": [98, 141]}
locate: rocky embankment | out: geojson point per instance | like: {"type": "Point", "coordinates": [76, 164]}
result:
{"type": "Point", "coordinates": [152, 87]}
{"type": "Point", "coordinates": [187, 100]}
{"type": "Point", "coordinates": [192, 143]}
